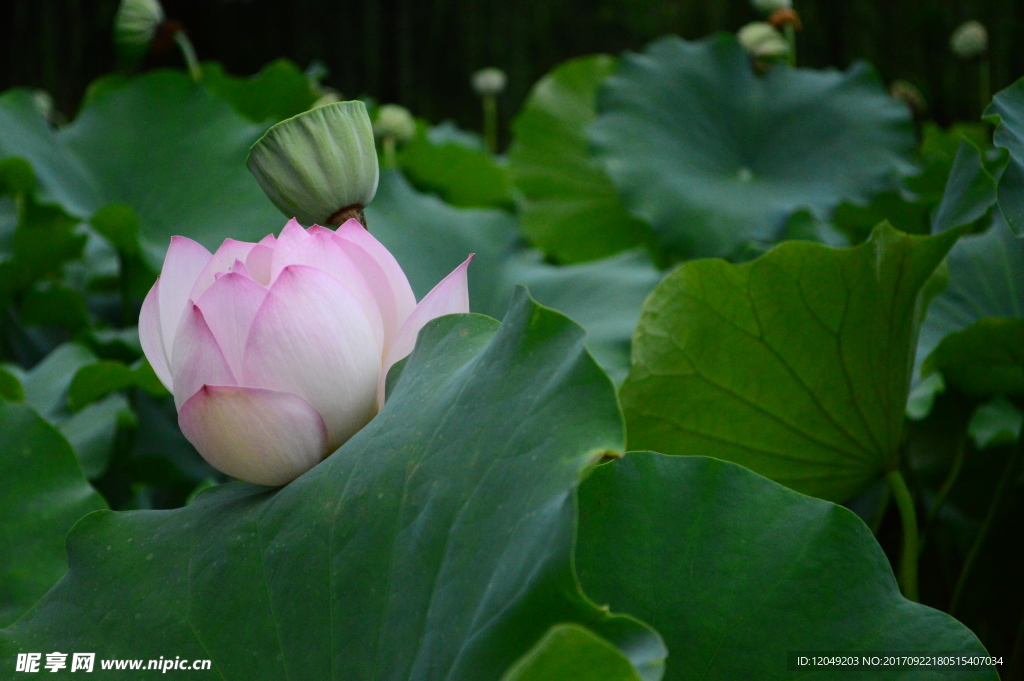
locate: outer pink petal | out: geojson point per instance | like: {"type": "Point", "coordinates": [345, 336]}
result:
{"type": "Point", "coordinates": [258, 263]}
{"type": "Point", "coordinates": [311, 338]}
{"type": "Point", "coordinates": [197, 360]}
{"type": "Point", "coordinates": [261, 436]}
{"type": "Point", "coordinates": [152, 339]}
{"type": "Point", "coordinates": [268, 240]}
{"type": "Point", "coordinates": [229, 307]}
{"type": "Point", "coordinates": [382, 272]}
{"type": "Point", "coordinates": [450, 296]}
{"type": "Point", "coordinates": [316, 248]}
{"type": "Point", "coordinates": [185, 260]}
{"type": "Point", "coordinates": [222, 260]}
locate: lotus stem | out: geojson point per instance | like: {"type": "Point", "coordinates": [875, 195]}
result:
{"type": "Point", "coordinates": [1002, 489]}
{"type": "Point", "coordinates": [947, 486]}
{"type": "Point", "coordinates": [908, 559]}
{"type": "Point", "coordinates": [390, 155]}
{"type": "Point", "coordinates": [984, 82]}
{"type": "Point", "coordinates": [189, 53]}
{"type": "Point", "coordinates": [790, 33]}
{"type": "Point", "coordinates": [491, 123]}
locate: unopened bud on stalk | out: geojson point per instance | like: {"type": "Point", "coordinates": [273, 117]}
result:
{"type": "Point", "coordinates": [489, 82]}
{"type": "Point", "coordinates": [909, 94]}
{"type": "Point", "coordinates": [320, 166]}
{"type": "Point", "coordinates": [394, 121]}
{"type": "Point", "coordinates": [969, 40]}
{"type": "Point", "coordinates": [135, 26]}
{"type": "Point", "coordinates": [761, 40]}
{"type": "Point", "coordinates": [769, 6]}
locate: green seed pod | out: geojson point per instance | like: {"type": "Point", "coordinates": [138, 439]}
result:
{"type": "Point", "coordinates": [761, 40]}
{"type": "Point", "coordinates": [135, 25]}
{"type": "Point", "coordinates": [489, 82]}
{"type": "Point", "coordinates": [969, 40]}
{"type": "Point", "coordinates": [319, 166]}
{"type": "Point", "coordinates": [394, 121]}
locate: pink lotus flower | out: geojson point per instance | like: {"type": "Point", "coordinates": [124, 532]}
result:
{"type": "Point", "coordinates": [276, 352]}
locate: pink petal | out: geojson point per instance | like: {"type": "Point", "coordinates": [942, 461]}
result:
{"type": "Point", "coordinates": [291, 236]}
{"type": "Point", "coordinates": [268, 240]}
{"type": "Point", "coordinates": [258, 263]}
{"type": "Point", "coordinates": [197, 360]}
{"type": "Point", "coordinates": [316, 248]}
{"type": "Point", "coordinates": [311, 338]}
{"type": "Point", "coordinates": [152, 339]}
{"type": "Point", "coordinates": [261, 436]}
{"type": "Point", "coordinates": [185, 260]}
{"type": "Point", "coordinates": [383, 274]}
{"type": "Point", "coordinates": [239, 268]}
{"type": "Point", "coordinates": [226, 255]}
{"type": "Point", "coordinates": [229, 307]}
{"type": "Point", "coordinates": [450, 296]}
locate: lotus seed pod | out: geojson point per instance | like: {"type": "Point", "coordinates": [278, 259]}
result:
{"type": "Point", "coordinates": [135, 25]}
{"type": "Point", "coordinates": [970, 39]}
{"type": "Point", "coordinates": [769, 6]}
{"type": "Point", "coordinates": [489, 82]}
{"type": "Point", "coordinates": [394, 121]}
{"type": "Point", "coordinates": [318, 166]}
{"type": "Point", "coordinates": [762, 41]}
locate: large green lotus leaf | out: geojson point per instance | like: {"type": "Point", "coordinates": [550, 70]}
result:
{"type": "Point", "coordinates": [569, 651]}
{"type": "Point", "coordinates": [1007, 112]}
{"type": "Point", "coordinates": [430, 238]}
{"type": "Point", "coordinates": [604, 296]}
{"type": "Point", "coordinates": [44, 494]}
{"type": "Point", "coordinates": [461, 176]}
{"type": "Point", "coordinates": [162, 144]}
{"type": "Point", "coordinates": [713, 155]}
{"type": "Point", "coordinates": [568, 205]}
{"type": "Point", "coordinates": [736, 571]}
{"type": "Point", "coordinates": [279, 91]}
{"type": "Point", "coordinates": [796, 365]}
{"type": "Point", "coordinates": [90, 431]}
{"type": "Point", "coordinates": [976, 314]}
{"type": "Point", "coordinates": [435, 544]}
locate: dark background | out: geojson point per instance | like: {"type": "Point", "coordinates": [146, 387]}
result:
{"type": "Point", "coordinates": [420, 52]}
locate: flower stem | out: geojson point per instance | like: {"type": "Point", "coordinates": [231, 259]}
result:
{"type": "Point", "coordinates": [790, 32]}
{"type": "Point", "coordinates": [189, 53]}
{"type": "Point", "coordinates": [1005, 482]}
{"type": "Point", "coordinates": [491, 123]}
{"type": "Point", "coordinates": [883, 506]}
{"type": "Point", "coordinates": [908, 560]}
{"type": "Point", "coordinates": [947, 486]}
{"type": "Point", "coordinates": [984, 82]}
{"type": "Point", "coordinates": [390, 155]}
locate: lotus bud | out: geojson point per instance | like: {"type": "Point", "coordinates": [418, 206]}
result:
{"type": "Point", "coordinates": [762, 41]}
{"type": "Point", "coordinates": [319, 166]}
{"type": "Point", "coordinates": [768, 6]}
{"type": "Point", "coordinates": [277, 352]}
{"type": "Point", "coordinates": [489, 82]}
{"type": "Point", "coordinates": [969, 40]}
{"type": "Point", "coordinates": [394, 121]}
{"type": "Point", "coordinates": [135, 26]}
{"type": "Point", "coordinates": [909, 94]}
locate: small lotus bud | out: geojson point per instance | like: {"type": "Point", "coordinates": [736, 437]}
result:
{"type": "Point", "coordinates": [43, 103]}
{"type": "Point", "coordinates": [394, 121]}
{"type": "Point", "coordinates": [782, 18]}
{"type": "Point", "coordinates": [762, 41]}
{"type": "Point", "coordinates": [489, 82]}
{"type": "Point", "coordinates": [970, 39]}
{"type": "Point", "coordinates": [135, 26]}
{"type": "Point", "coordinates": [319, 166]}
{"type": "Point", "coordinates": [909, 94]}
{"type": "Point", "coordinates": [769, 6]}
